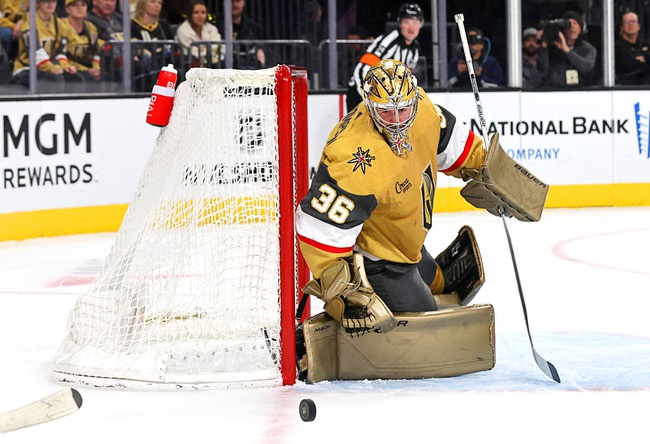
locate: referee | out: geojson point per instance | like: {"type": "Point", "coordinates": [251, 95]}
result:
{"type": "Point", "coordinates": [400, 44]}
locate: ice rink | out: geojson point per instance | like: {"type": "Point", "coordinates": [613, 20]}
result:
{"type": "Point", "coordinates": [586, 280]}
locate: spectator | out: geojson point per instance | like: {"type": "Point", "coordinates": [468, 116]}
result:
{"type": "Point", "coordinates": [357, 33]}
{"type": "Point", "coordinates": [197, 28]}
{"type": "Point", "coordinates": [571, 59]}
{"type": "Point", "coordinates": [146, 25]}
{"type": "Point", "coordinates": [487, 69]}
{"type": "Point", "coordinates": [54, 68]}
{"type": "Point", "coordinates": [632, 53]}
{"type": "Point", "coordinates": [353, 51]}
{"type": "Point", "coordinates": [311, 26]}
{"type": "Point", "coordinates": [84, 51]}
{"type": "Point", "coordinates": [6, 30]}
{"type": "Point", "coordinates": [400, 44]}
{"type": "Point", "coordinates": [12, 13]}
{"type": "Point", "coordinates": [174, 12]}
{"type": "Point", "coordinates": [6, 40]}
{"type": "Point", "coordinates": [346, 16]}
{"type": "Point", "coordinates": [106, 19]}
{"type": "Point", "coordinates": [533, 70]}
{"type": "Point", "coordinates": [246, 56]}
{"type": "Point", "coordinates": [150, 57]}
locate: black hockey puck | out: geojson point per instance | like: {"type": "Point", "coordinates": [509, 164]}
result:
{"type": "Point", "coordinates": [307, 410]}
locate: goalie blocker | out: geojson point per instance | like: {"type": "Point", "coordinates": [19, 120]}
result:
{"type": "Point", "coordinates": [502, 182]}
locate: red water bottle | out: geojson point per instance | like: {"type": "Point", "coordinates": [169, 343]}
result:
{"type": "Point", "coordinates": [162, 97]}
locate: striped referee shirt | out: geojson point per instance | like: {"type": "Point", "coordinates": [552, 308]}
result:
{"type": "Point", "coordinates": [390, 46]}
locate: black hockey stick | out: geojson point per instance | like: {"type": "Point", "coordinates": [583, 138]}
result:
{"type": "Point", "coordinates": [546, 367]}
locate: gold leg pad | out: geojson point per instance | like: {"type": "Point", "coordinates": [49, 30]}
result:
{"type": "Point", "coordinates": [449, 342]}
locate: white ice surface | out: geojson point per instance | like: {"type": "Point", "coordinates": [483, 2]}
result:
{"type": "Point", "coordinates": [586, 280]}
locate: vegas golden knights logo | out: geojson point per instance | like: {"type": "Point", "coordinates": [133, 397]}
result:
{"type": "Point", "coordinates": [427, 190]}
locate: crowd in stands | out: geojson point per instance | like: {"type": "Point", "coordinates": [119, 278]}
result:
{"type": "Point", "coordinates": [558, 54]}
{"type": "Point", "coordinates": [79, 45]}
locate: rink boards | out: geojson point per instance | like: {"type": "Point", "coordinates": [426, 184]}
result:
{"type": "Point", "coordinates": [71, 166]}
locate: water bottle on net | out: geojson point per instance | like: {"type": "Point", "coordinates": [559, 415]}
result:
{"type": "Point", "coordinates": [162, 97]}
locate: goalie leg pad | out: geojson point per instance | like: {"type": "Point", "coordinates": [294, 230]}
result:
{"type": "Point", "coordinates": [462, 266]}
{"type": "Point", "coordinates": [443, 343]}
{"type": "Point", "coordinates": [502, 182]}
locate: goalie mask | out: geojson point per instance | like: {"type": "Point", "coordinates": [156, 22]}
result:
{"type": "Point", "coordinates": [391, 95]}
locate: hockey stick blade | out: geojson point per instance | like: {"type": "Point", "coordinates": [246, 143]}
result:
{"type": "Point", "coordinates": [546, 367]}
{"type": "Point", "coordinates": [54, 406]}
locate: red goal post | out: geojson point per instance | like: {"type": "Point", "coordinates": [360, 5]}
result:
{"type": "Point", "coordinates": [291, 89]}
{"type": "Point", "coordinates": [200, 288]}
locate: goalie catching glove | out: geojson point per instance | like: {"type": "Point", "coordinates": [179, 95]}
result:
{"type": "Point", "coordinates": [347, 300]}
{"type": "Point", "coordinates": [502, 183]}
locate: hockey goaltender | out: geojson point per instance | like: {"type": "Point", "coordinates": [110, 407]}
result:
{"type": "Point", "coordinates": [362, 227]}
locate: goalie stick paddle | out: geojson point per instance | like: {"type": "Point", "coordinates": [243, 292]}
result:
{"type": "Point", "coordinates": [54, 406]}
{"type": "Point", "coordinates": [546, 367]}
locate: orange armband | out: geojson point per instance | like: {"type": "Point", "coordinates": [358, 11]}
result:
{"type": "Point", "coordinates": [370, 59]}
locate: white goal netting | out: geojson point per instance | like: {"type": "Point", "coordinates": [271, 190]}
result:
{"type": "Point", "coordinates": [189, 294]}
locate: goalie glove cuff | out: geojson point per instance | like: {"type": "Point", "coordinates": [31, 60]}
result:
{"type": "Point", "coordinates": [335, 307]}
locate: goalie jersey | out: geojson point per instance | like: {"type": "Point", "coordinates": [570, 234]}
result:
{"type": "Point", "coordinates": [364, 197]}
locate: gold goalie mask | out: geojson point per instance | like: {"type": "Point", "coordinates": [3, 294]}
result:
{"type": "Point", "coordinates": [391, 95]}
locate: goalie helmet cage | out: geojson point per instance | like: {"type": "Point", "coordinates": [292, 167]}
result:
{"type": "Point", "coordinates": [199, 289]}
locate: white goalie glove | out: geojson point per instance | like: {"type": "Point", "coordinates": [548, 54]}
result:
{"type": "Point", "coordinates": [347, 300]}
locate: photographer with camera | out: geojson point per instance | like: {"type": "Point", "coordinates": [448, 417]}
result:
{"type": "Point", "coordinates": [487, 69]}
{"type": "Point", "coordinates": [571, 59]}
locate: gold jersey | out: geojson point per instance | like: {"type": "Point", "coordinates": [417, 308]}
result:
{"type": "Point", "coordinates": [53, 37]}
{"type": "Point", "coordinates": [83, 52]}
{"type": "Point", "coordinates": [365, 197]}
{"type": "Point", "coordinates": [12, 11]}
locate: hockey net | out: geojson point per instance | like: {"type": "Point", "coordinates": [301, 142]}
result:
{"type": "Point", "coordinates": [200, 286]}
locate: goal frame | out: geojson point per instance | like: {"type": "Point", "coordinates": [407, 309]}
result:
{"type": "Point", "coordinates": [291, 92]}
{"type": "Point", "coordinates": [290, 87]}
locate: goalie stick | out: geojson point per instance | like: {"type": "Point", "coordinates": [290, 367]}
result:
{"type": "Point", "coordinates": [54, 406]}
{"type": "Point", "coordinates": [546, 367]}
